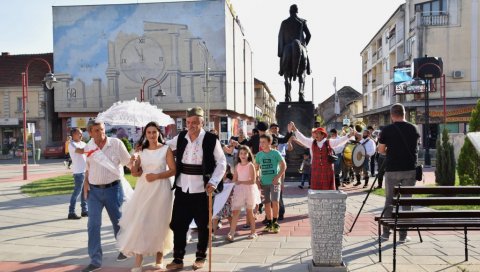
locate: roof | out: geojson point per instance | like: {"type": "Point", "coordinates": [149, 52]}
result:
{"type": "Point", "coordinates": [12, 66]}
{"type": "Point", "coordinates": [258, 81]}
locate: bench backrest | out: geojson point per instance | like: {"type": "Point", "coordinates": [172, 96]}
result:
{"type": "Point", "coordinates": [456, 195]}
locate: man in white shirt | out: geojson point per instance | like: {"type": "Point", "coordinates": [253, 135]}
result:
{"type": "Point", "coordinates": [370, 149]}
{"type": "Point", "coordinates": [201, 165]}
{"type": "Point", "coordinates": [79, 164]}
{"type": "Point", "coordinates": [102, 188]}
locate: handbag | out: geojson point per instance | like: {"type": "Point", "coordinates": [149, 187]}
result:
{"type": "Point", "coordinates": [418, 167]}
{"type": "Point", "coordinates": [332, 158]}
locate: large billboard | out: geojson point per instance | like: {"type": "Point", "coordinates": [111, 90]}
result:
{"type": "Point", "coordinates": [404, 83]}
{"type": "Point", "coordinates": [107, 53]}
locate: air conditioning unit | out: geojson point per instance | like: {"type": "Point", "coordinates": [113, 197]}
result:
{"type": "Point", "coordinates": [458, 74]}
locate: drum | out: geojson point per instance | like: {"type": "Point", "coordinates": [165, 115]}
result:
{"type": "Point", "coordinates": [354, 155]}
{"type": "Point", "coordinates": [358, 155]}
{"type": "Point", "coordinates": [348, 153]}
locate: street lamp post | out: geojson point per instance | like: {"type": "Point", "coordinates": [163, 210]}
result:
{"type": "Point", "coordinates": [206, 71]}
{"type": "Point", "coordinates": [48, 81]}
{"type": "Point", "coordinates": [159, 93]}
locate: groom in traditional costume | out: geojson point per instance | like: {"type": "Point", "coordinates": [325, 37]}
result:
{"type": "Point", "coordinates": [201, 165]}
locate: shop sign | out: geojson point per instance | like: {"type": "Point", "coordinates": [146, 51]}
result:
{"type": "Point", "coordinates": [8, 121]}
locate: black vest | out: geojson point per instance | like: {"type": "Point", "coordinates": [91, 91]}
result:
{"type": "Point", "coordinates": [208, 160]}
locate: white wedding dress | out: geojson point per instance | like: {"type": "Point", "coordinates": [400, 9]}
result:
{"type": "Point", "coordinates": [144, 225]}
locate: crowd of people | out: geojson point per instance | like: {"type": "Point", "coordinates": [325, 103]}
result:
{"type": "Point", "coordinates": [177, 177]}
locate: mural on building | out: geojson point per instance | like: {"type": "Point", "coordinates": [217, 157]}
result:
{"type": "Point", "coordinates": [106, 53]}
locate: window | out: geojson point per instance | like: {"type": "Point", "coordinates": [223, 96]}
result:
{"type": "Point", "coordinates": [433, 8]}
{"type": "Point", "coordinates": [19, 104]}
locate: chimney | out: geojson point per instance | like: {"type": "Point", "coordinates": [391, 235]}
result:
{"type": "Point", "coordinates": [4, 54]}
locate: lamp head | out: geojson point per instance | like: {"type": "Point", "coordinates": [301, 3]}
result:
{"type": "Point", "coordinates": [160, 93]}
{"type": "Point", "coordinates": [49, 79]}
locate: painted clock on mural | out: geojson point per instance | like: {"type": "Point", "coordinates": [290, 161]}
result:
{"type": "Point", "coordinates": [142, 58]}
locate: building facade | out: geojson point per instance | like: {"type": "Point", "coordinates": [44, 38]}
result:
{"type": "Point", "coordinates": [170, 46]}
{"type": "Point", "coordinates": [39, 103]}
{"type": "Point", "coordinates": [265, 103]}
{"type": "Point", "coordinates": [326, 110]}
{"type": "Point", "coordinates": [441, 28]}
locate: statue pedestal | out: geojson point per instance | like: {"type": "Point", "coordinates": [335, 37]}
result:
{"type": "Point", "coordinates": [302, 114]}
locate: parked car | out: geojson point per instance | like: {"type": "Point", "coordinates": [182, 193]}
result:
{"type": "Point", "coordinates": [19, 150]}
{"type": "Point", "coordinates": [54, 150]}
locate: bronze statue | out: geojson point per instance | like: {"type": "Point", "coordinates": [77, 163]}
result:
{"type": "Point", "coordinates": [292, 41]}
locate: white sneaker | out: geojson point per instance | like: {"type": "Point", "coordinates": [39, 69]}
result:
{"type": "Point", "coordinates": [405, 240]}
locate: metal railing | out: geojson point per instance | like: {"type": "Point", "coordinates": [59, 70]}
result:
{"type": "Point", "coordinates": [434, 20]}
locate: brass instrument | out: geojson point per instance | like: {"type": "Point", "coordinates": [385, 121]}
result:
{"type": "Point", "coordinates": [359, 126]}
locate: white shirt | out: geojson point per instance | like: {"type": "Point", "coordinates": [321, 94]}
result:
{"type": "Point", "coordinates": [116, 151]}
{"type": "Point", "coordinates": [79, 161]}
{"type": "Point", "coordinates": [193, 154]}
{"type": "Point", "coordinates": [338, 149]}
{"type": "Point", "coordinates": [309, 141]}
{"type": "Point", "coordinates": [369, 145]}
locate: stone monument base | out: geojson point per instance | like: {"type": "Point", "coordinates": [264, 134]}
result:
{"type": "Point", "coordinates": [319, 268]}
{"type": "Point", "coordinates": [303, 115]}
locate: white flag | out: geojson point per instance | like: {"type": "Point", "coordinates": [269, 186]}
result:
{"type": "Point", "coordinates": [337, 103]}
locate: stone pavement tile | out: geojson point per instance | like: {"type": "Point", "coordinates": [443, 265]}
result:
{"type": "Point", "coordinates": [225, 250]}
{"type": "Point", "coordinates": [289, 267]}
{"type": "Point", "coordinates": [358, 259]}
{"type": "Point", "coordinates": [301, 231]}
{"type": "Point", "coordinates": [443, 268]}
{"type": "Point", "coordinates": [221, 258]}
{"type": "Point", "coordinates": [424, 252]}
{"type": "Point", "coordinates": [235, 244]}
{"type": "Point", "coordinates": [455, 251]}
{"type": "Point", "coordinates": [389, 259]}
{"type": "Point", "coordinates": [259, 259]}
{"type": "Point", "coordinates": [460, 260]}
{"type": "Point", "coordinates": [425, 259]}
{"type": "Point", "coordinates": [217, 267]}
{"type": "Point", "coordinates": [298, 239]}
{"type": "Point", "coordinates": [257, 251]}
{"type": "Point", "coordinates": [252, 267]}
{"type": "Point", "coordinates": [265, 245]}
{"type": "Point", "coordinates": [282, 259]}
{"type": "Point", "coordinates": [289, 244]}
{"type": "Point", "coordinates": [405, 268]}
{"type": "Point", "coordinates": [291, 252]}
{"type": "Point", "coordinates": [268, 238]}
{"type": "Point", "coordinates": [388, 251]}
{"type": "Point", "coordinates": [307, 259]}
{"type": "Point", "coordinates": [378, 267]}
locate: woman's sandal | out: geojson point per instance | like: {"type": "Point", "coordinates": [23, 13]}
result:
{"type": "Point", "coordinates": [136, 269]}
{"type": "Point", "coordinates": [252, 236]}
{"type": "Point", "coordinates": [230, 237]}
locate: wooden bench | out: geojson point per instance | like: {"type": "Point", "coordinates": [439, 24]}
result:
{"type": "Point", "coordinates": [431, 220]}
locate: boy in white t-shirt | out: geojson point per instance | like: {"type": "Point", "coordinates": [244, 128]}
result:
{"type": "Point", "coordinates": [79, 163]}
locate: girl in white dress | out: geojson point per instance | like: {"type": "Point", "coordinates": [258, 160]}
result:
{"type": "Point", "coordinates": [144, 225]}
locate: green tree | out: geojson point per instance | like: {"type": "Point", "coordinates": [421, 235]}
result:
{"type": "Point", "coordinates": [445, 166]}
{"type": "Point", "coordinates": [469, 161]}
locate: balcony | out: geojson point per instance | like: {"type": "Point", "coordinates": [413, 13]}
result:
{"type": "Point", "coordinates": [392, 41]}
{"type": "Point", "coordinates": [434, 20]}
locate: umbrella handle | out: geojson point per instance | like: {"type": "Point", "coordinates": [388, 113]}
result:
{"type": "Point", "coordinates": [210, 202]}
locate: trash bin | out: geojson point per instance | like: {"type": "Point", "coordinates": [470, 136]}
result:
{"type": "Point", "coordinates": [326, 209]}
{"type": "Point", "coordinates": [38, 153]}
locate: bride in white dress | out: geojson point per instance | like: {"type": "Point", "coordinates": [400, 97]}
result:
{"type": "Point", "coordinates": [144, 225]}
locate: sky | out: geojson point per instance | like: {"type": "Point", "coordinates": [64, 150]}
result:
{"type": "Point", "coordinates": [340, 31]}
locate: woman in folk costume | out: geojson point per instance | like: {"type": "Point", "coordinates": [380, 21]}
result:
{"type": "Point", "coordinates": [322, 175]}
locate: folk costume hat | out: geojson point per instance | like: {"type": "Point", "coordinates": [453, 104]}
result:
{"type": "Point", "coordinates": [321, 130]}
{"type": "Point", "coordinates": [195, 111]}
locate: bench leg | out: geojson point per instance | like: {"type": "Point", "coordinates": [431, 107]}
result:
{"type": "Point", "coordinates": [419, 235]}
{"type": "Point", "coordinates": [394, 249]}
{"type": "Point", "coordinates": [379, 243]}
{"type": "Point", "coordinates": [466, 243]}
